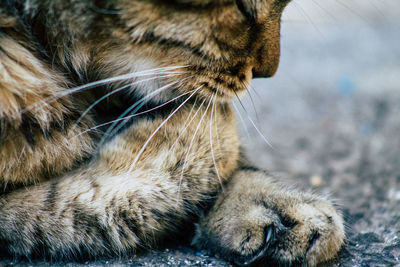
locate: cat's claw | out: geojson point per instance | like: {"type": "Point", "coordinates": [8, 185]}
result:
{"type": "Point", "coordinates": [262, 253]}
{"type": "Point", "coordinates": [272, 225]}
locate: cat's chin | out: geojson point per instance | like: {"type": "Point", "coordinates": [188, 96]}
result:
{"type": "Point", "coordinates": [223, 86]}
{"type": "Point", "coordinates": [221, 94]}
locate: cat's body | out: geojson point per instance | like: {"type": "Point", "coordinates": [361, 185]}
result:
{"type": "Point", "coordinates": [112, 192]}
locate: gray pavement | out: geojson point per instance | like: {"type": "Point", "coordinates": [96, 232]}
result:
{"type": "Point", "coordinates": [332, 116]}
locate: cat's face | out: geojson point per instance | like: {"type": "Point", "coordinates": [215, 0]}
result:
{"type": "Point", "coordinates": [222, 44]}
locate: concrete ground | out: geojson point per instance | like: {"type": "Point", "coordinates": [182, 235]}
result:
{"type": "Point", "coordinates": [332, 116]}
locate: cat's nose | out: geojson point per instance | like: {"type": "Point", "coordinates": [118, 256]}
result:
{"type": "Point", "coordinates": [264, 73]}
{"type": "Point", "coordinates": [266, 61]}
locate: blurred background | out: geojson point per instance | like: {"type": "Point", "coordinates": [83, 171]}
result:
{"type": "Point", "coordinates": [330, 119]}
{"type": "Point", "coordinates": [336, 57]}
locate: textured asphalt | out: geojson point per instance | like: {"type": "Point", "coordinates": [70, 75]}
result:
{"type": "Point", "coordinates": [332, 116]}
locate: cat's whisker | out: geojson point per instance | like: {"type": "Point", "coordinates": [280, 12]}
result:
{"type": "Point", "coordinates": [159, 127]}
{"type": "Point", "coordinates": [254, 89]}
{"type": "Point", "coordinates": [190, 148]}
{"type": "Point", "coordinates": [240, 116]}
{"type": "Point", "coordinates": [133, 115]}
{"type": "Point", "coordinates": [188, 121]}
{"type": "Point", "coordinates": [254, 125]}
{"type": "Point", "coordinates": [216, 129]}
{"type": "Point", "coordinates": [260, 133]}
{"type": "Point", "coordinates": [91, 85]}
{"type": "Point", "coordinates": [213, 110]}
{"type": "Point", "coordinates": [380, 11]}
{"type": "Point", "coordinates": [242, 120]}
{"type": "Point", "coordinates": [325, 10]}
{"type": "Point", "coordinates": [135, 107]}
{"type": "Point", "coordinates": [114, 92]}
{"type": "Point", "coordinates": [46, 101]}
{"type": "Point", "coordinates": [252, 102]}
{"type": "Point", "coordinates": [307, 17]}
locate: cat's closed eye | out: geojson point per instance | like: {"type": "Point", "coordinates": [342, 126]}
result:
{"type": "Point", "coordinates": [245, 9]}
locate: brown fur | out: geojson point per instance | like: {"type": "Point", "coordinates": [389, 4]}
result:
{"type": "Point", "coordinates": [106, 192]}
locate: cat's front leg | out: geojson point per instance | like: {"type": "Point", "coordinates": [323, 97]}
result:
{"type": "Point", "coordinates": [258, 220]}
{"type": "Point", "coordinates": [144, 186]}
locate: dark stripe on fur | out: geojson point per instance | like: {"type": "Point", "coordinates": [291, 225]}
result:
{"type": "Point", "coordinates": [249, 168]}
{"type": "Point", "coordinates": [52, 197]}
{"type": "Point", "coordinates": [130, 223]}
{"type": "Point", "coordinates": [150, 37]}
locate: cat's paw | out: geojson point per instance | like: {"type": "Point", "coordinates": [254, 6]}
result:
{"type": "Point", "coordinates": [260, 222]}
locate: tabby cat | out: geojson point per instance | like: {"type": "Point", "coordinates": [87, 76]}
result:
{"type": "Point", "coordinates": [117, 133]}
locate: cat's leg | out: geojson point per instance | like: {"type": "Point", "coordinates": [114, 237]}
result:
{"type": "Point", "coordinates": [94, 214]}
{"type": "Point", "coordinates": [137, 191]}
{"type": "Point", "coordinates": [258, 220]}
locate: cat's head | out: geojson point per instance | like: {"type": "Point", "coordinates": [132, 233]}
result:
{"type": "Point", "coordinates": [220, 44]}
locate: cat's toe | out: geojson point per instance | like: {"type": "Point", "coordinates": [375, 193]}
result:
{"type": "Point", "coordinates": [306, 234]}
{"type": "Point", "coordinates": [274, 230]}
{"type": "Point", "coordinates": [262, 252]}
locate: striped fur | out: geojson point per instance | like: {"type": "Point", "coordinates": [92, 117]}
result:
{"type": "Point", "coordinates": [164, 71]}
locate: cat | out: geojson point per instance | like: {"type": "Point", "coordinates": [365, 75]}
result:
{"type": "Point", "coordinates": [117, 133]}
